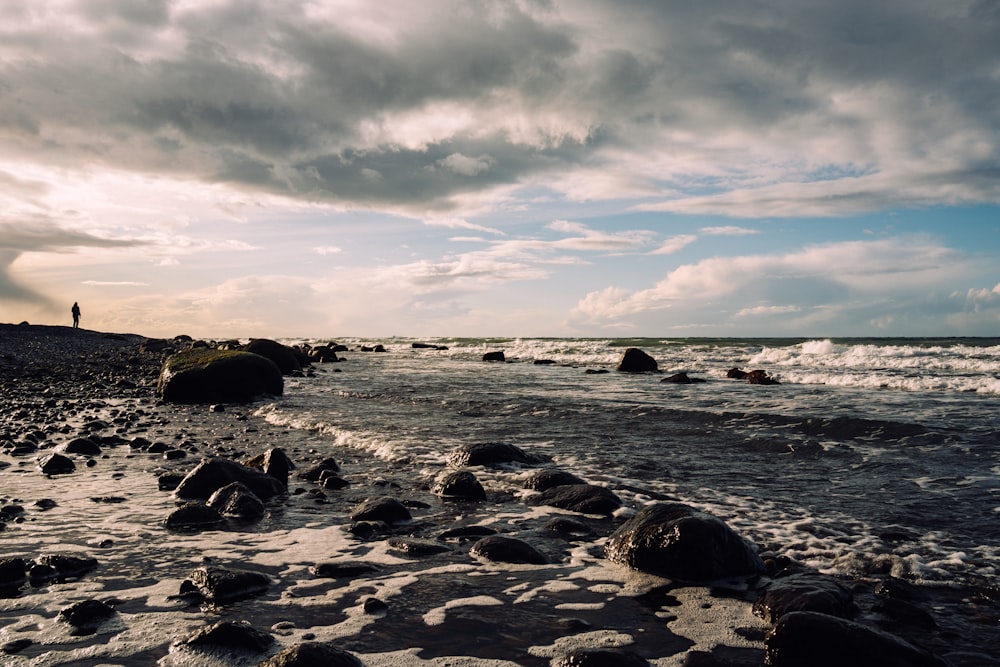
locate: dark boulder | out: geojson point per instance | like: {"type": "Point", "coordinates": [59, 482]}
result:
{"type": "Point", "coordinates": [819, 640]}
{"type": "Point", "coordinates": [204, 375]}
{"type": "Point", "coordinates": [491, 454]}
{"type": "Point", "coordinates": [283, 356]}
{"type": "Point", "coordinates": [238, 501]}
{"type": "Point", "coordinates": [81, 446]}
{"type": "Point", "coordinates": [583, 498]}
{"type": "Point", "coordinates": [460, 485]}
{"type": "Point", "coordinates": [678, 542]}
{"type": "Point", "coordinates": [546, 478]}
{"type": "Point", "coordinates": [67, 566]}
{"type": "Point", "coordinates": [56, 464]}
{"type": "Point", "coordinates": [415, 546]}
{"type": "Point", "coordinates": [194, 516]}
{"type": "Point", "coordinates": [760, 377]}
{"type": "Point", "coordinates": [635, 360]}
{"type": "Point", "coordinates": [212, 474]}
{"type": "Point", "coordinates": [323, 354]}
{"type": "Point", "coordinates": [221, 586]}
{"type": "Point", "coordinates": [315, 472]}
{"type": "Point", "coordinates": [500, 549]}
{"type": "Point", "coordinates": [12, 572]}
{"type": "Point", "coordinates": [382, 508]}
{"type": "Point", "coordinates": [682, 378]}
{"type": "Point", "coordinates": [238, 635]}
{"type": "Point", "coordinates": [736, 374]}
{"type": "Point", "coordinates": [313, 654]}
{"type": "Point", "coordinates": [85, 617]}
{"type": "Point", "coordinates": [273, 462]}
{"type": "Point", "coordinates": [342, 569]}
{"type": "Point", "coordinates": [494, 356]}
{"type": "Point", "coordinates": [806, 591]}
{"type": "Point", "coordinates": [332, 481]}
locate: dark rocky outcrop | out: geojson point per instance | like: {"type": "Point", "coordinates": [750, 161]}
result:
{"type": "Point", "coordinates": [502, 549]}
{"type": "Point", "coordinates": [210, 475]}
{"type": "Point", "coordinates": [274, 462]}
{"type": "Point", "coordinates": [287, 359]}
{"type": "Point", "coordinates": [67, 566]}
{"type": "Point", "coordinates": [85, 617]}
{"type": "Point", "coordinates": [342, 569]}
{"type": "Point", "coordinates": [313, 654]}
{"type": "Point", "coordinates": [736, 374]}
{"type": "Point", "coordinates": [382, 508]}
{"type": "Point", "coordinates": [236, 500]}
{"type": "Point", "coordinates": [56, 464]}
{"type": "Point", "coordinates": [194, 516]}
{"type": "Point", "coordinates": [682, 378]}
{"type": "Point", "coordinates": [81, 446]}
{"type": "Point", "coordinates": [491, 454]}
{"type": "Point", "coordinates": [205, 375]}
{"type": "Point", "coordinates": [600, 657]}
{"type": "Point", "coordinates": [805, 591]}
{"type": "Point", "coordinates": [459, 485]}
{"type": "Point", "coordinates": [222, 586]}
{"type": "Point", "coordinates": [415, 546]}
{"type": "Point", "coordinates": [428, 346]}
{"type": "Point", "coordinates": [678, 542]}
{"type": "Point", "coordinates": [314, 473]}
{"type": "Point", "coordinates": [546, 478]}
{"type": "Point", "coordinates": [494, 356]}
{"type": "Point", "coordinates": [634, 360]}
{"type": "Point", "coordinates": [12, 572]}
{"type": "Point", "coordinates": [583, 498]}
{"type": "Point", "coordinates": [760, 377]}
{"type": "Point", "coordinates": [819, 640]}
{"type": "Point", "coordinates": [238, 635]}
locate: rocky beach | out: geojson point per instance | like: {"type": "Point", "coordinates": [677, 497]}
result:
{"type": "Point", "coordinates": [142, 531]}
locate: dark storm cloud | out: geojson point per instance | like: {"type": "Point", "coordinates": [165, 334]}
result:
{"type": "Point", "coordinates": [365, 105]}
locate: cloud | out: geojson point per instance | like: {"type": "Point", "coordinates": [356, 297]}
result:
{"type": "Point", "coordinates": [675, 244]}
{"type": "Point", "coordinates": [769, 110]}
{"type": "Point", "coordinates": [327, 250]}
{"type": "Point", "coordinates": [728, 230]}
{"type": "Point", "coordinates": [114, 283]}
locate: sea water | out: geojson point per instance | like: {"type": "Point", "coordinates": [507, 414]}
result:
{"type": "Point", "coordinates": [871, 458]}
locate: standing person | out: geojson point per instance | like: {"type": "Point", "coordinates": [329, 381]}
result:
{"type": "Point", "coordinates": [76, 315]}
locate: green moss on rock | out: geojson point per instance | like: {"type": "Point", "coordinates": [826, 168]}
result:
{"type": "Point", "coordinates": [207, 375]}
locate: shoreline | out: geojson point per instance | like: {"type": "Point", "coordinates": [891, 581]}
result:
{"type": "Point", "coordinates": [109, 378]}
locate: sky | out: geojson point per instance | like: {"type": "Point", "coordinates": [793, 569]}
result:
{"type": "Point", "coordinates": [242, 168]}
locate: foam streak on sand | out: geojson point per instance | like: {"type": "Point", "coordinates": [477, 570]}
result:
{"type": "Point", "coordinates": [829, 471]}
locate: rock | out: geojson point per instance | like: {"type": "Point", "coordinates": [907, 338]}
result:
{"type": "Point", "coordinates": [461, 485]}
{"type": "Point", "coordinates": [900, 589]}
{"type": "Point", "coordinates": [491, 454]}
{"type": "Point", "coordinates": [284, 357]}
{"type": "Point", "coordinates": [313, 654]}
{"type": "Point", "coordinates": [273, 462]}
{"type": "Point", "coordinates": [342, 569]}
{"type": "Point", "coordinates": [313, 474]}
{"type": "Point", "coordinates": [12, 572]}
{"type": "Point", "coordinates": [736, 374]}
{"type": "Point", "coordinates": [600, 657]}
{"type": "Point", "coordinates": [806, 591]}
{"type": "Point", "coordinates": [414, 546]}
{"type": "Point", "coordinates": [382, 508]}
{"type": "Point", "coordinates": [194, 516]}
{"type": "Point", "coordinates": [906, 614]}
{"type": "Point", "coordinates": [238, 501]}
{"type": "Point", "coordinates": [222, 586]}
{"type": "Point", "coordinates": [634, 360]}
{"type": "Point", "coordinates": [494, 356]}
{"type": "Point", "coordinates": [212, 474]}
{"type": "Point", "coordinates": [565, 526]}
{"type": "Point", "coordinates": [15, 646]}
{"type": "Point", "coordinates": [81, 446]}
{"type": "Point", "coordinates": [502, 549]}
{"type": "Point", "coordinates": [583, 498]}
{"type": "Point", "coordinates": [760, 377]}
{"type": "Point", "coordinates": [819, 640]}
{"type": "Point", "coordinates": [546, 478]}
{"type": "Point", "coordinates": [86, 617]}
{"type": "Point", "coordinates": [332, 481]}
{"type": "Point", "coordinates": [56, 464]}
{"type": "Point", "coordinates": [682, 378]}
{"type": "Point", "coordinates": [67, 566]}
{"type": "Point", "coordinates": [205, 375]}
{"type": "Point", "coordinates": [323, 354]}
{"type": "Point", "coordinates": [428, 346]}
{"type": "Point", "coordinates": [678, 542]}
{"type": "Point", "coordinates": [466, 532]}
{"type": "Point", "coordinates": [544, 362]}
{"type": "Point", "coordinates": [238, 635]}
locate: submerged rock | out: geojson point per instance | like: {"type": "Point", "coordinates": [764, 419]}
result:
{"type": "Point", "coordinates": [461, 485]}
{"type": "Point", "coordinates": [210, 475]}
{"type": "Point", "coordinates": [221, 585]}
{"type": "Point", "coordinates": [204, 375]}
{"type": "Point", "coordinates": [634, 360]}
{"type": "Point", "coordinates": [819, 640]}
{"type": "Point", "coordinates": [546, 478]}
{"type": "Point", "coordinates": [806, 591]}
{"type": "Point", "coordinates": [382, 508]}
{"type": "Point", "coordinates": [313, 654]}
{"type": "Point", "coordinates": [342, 569]}
{"type": "Point", "coordinates": [502, 549]}
{"type": "Point", "coordinates": [238, 635]}
{"type": "Point", "coordinates": [490, 454]}
{"type": "Point", "coordinates": [238, 501]}
{"type": "Point", "coordinates": [67, 566]}
{"type": "Point", "coordinates": [86, 617]}
{"type": "Point", "coordinates": [194, 516]}
{"type": "Point", "coordinates": [678, 542]}
{"type": "Point", "coordinates": [583, 498]}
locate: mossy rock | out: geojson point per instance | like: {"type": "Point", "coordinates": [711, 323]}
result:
{"type": "Point", "coordinates": [285, 357]}
{"type": "Point", "coordinates": [206, 375]}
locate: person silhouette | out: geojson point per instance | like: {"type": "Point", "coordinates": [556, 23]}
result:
{"type": "Point", "coordinates": [76, 315]}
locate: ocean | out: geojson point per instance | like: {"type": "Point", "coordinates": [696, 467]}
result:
{"type": "Point", "coordinates": [872, 458]}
